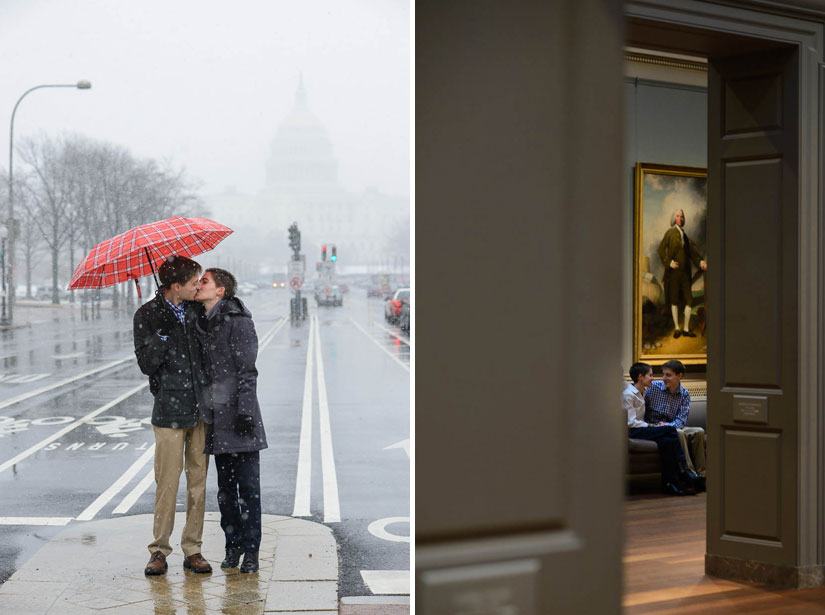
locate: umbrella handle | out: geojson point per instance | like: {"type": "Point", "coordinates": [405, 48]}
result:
{"type": "Point", "coordinates": [151, 266]}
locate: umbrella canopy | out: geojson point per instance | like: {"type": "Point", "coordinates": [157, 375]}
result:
{"type": "Point", "coordinates": [141, 250]}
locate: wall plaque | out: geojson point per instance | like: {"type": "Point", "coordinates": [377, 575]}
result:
{"type": "Point", "coordinates": [750, 408]}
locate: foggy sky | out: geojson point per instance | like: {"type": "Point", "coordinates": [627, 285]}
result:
{"type": "Point", "coordinates": [205, 83]}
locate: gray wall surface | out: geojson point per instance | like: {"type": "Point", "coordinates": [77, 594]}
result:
{"type": "Point", "coordinates": [666, 123]}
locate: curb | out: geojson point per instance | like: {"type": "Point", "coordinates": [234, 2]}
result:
{"type": "Point", "coordinates": [97, 565]}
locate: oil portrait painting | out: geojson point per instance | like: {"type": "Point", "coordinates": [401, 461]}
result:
{"type": "Point", "coordinates": [670, 311]}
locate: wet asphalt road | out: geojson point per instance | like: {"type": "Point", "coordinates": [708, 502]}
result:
{"type": "Point", "coordinates": [77, 446]}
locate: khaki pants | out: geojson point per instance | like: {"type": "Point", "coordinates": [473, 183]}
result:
{"type": "Point", "coordinates": [174, 450]}
{"type": "Point", "coordinates": [692, 440]}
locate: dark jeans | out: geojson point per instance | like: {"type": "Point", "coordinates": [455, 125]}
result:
{"type": "Point", "coordinates": [670, 451]}
{"type": "Point", "coordinates": [239, 498]}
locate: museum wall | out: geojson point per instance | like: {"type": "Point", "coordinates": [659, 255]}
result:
{"type": "Point", "coordinates": [666, 124]}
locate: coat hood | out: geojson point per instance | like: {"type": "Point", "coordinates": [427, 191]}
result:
{"type": "Point", "coordinates": [233, 307]}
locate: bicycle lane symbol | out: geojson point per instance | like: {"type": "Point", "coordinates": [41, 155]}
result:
{"type": "Point", "coordinates": [111, 426]}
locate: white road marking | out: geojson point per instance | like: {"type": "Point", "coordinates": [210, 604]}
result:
{"type": "Point", "coordinates": [35, 520]}
{"type": "Point", "coordinates": [303, 481]}
{"type": "Point", "coordinates": [120, 426]}
{"type": "Point", "coordinates": [13, 426]}
{"type": "Point", "coordinates": [394, 334]}
{"type": "Point", "coordinates": [379, 529]}
{"type": "Point", "coordinates": [21, 378]}
{"type": "Point", "coordinates": [405, 444]}
{"type": "Point", "coordinates": [68, 428]}
{"type": "Point", "coordinates": [56, 385]}
{"type": "Point", "coordinates": [332, 506]}
{"type": "Point", "coordinates": [53, 420]}
{"type": "Point", "coordinates": [393, 582]}
{"type": "Point", "coordinates": [377, 343]}
{"type": "Point", "coordinates": [73, 355]}
{"type": "Point", "coordinates": [133, 496]}
{"type": "Point", "coordinates": [270, 334]}
{"type": "Point", "coordinates": [116, 487]}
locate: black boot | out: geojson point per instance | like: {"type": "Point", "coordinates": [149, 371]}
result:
{"type": "Point", "coordinates": [233, 556]}
{"type": "Point", "coordinates": [696, 481]}
{"type": "Point", "coordinates": [250, 562]}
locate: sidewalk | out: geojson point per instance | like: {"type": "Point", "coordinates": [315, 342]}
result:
{"type": "Point", "coordinates": [97, 567]}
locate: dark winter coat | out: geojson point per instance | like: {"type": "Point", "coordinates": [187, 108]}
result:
{"type": "Point", "coordinates": [177, 366]}
{"type": "Point", "coordinates": [232, 346]}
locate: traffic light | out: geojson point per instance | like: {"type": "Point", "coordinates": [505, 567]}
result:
{"type": "Point", "coordinates": [323, 253]}
{"type": "Point", "coordinates": [334, 256]}
{"type": "Point", "coordinates": [294, 238]}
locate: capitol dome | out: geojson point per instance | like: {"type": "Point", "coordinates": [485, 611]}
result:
{"type": "Point", "coordinates": [301, 154]}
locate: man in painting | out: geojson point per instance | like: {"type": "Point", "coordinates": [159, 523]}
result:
{"type": "Point", "coordinates": [677, 251]}
{"type": "Point", "coordinates": [673, 460]}
{"type": "Point", "coordinates": [667, 402]}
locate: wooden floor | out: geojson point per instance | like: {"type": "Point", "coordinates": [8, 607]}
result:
{"type": "Point", "coordinates": [664, 566]}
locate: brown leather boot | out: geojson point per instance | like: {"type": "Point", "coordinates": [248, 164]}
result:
{"type": "Point", "coordinates": [157, 564]}
{"type": "Point", "coordinates": [196, 563]}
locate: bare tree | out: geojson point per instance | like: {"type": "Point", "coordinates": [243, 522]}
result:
{"type": "Point", "coordinates": [80, 192]}
{"type": "Point", "coordinates": [33, 246]}
{"type": "Point", "coordinates": [48, 186]}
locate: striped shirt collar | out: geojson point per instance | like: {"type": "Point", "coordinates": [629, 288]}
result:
{"type": "Point", "coordinates": [178, 311]}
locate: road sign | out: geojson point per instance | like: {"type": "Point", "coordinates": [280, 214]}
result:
{"type": "Point", "coordinates": [296, 268]}
{"type": "Point", "coordinates": [295, 283]}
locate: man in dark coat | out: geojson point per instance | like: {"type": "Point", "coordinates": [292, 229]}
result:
{"type": "Point", "coordinates": [169, 351]}
{"type": "Point", "coordinates": [677, 252]}
{"type": "Point", "coordinates": [235, 434]}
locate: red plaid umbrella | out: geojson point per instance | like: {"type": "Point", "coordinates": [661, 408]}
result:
{"type": "Point", "coordinates": [139, 251]}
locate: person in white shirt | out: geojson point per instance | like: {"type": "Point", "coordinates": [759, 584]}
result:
{"type": "Point", "coordinates": [674, 480]}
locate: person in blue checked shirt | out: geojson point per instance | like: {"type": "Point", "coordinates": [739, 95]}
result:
{"type": "Point", "coordinates": [674, 480]}
{"type": "Point", "coordinates": [667, 402]}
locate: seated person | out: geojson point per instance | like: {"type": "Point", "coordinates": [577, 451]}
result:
{"type": "Point", "coordinates": [674, 481]}
{"type": "Point", "coordinates": [668, 403]}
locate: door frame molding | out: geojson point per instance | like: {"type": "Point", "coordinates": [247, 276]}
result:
{"type": "Point", "coordinates": [710, 24]}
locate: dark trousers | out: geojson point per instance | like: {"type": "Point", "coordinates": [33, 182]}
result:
{"type": "Point", "coordinates": [239, 498]}
{"type": "Point", "coordinates": [670, 451]}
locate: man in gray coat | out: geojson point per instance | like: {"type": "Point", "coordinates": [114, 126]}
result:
{"type": "Point", "coordinates": [235, 433]}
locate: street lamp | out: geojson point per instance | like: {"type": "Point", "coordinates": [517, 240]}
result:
{"type": "Point", "coordinates": [4, 321]}
{"type": "Point", "coordinates": [10, 226]}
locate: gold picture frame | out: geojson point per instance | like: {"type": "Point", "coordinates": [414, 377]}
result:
{"type": "Point", "coordinates": [659, 331]}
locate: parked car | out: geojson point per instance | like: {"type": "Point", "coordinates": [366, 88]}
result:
{"type": "Point", "coordinates": [404, 318]}
{"type": "Point", "coordinates": [392, 307]}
